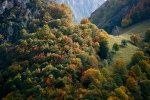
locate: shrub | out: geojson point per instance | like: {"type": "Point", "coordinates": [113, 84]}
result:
{"type": "Point", "coordinates": [115, 47]}
{"type": "Point", "coordinates": [124, 43]}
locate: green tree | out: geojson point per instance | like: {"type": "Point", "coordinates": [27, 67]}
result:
{"type": "Point", "coordinates": [145, 66]}
{"type": "Point", "coordinates": [14, 68]}
{"type": "Point", "coordinates": [103, 49]}
{"type": "Point", "coordinates": [45, 33]}
{"type": "Point", "coordinates": [8, 87]}
{"type": "Point", "coordinates": [88, 96]}
{"type": "Point", "coordinates": [59, 84]}
{"type": "Point", "coordinates": [147, 35]}
{"type": "Point", "coordinates": [13, 96]}
{"type": "Point", "coordinates": [137, 57]}
{"type": "Point", "coordinates": [105, 72]}
{"type": "Point", "coordinates": [110, 56]}
{"type": "Point", "coordinates": [1, 79]}
{"type": "Point", "coordinates": [17, 80]}
{"type": "Point", "coordinates": [28, 83]}
{"type": "Point", "coordinates": [118, 80]}
{"type": "Point", "coordinates": [145, 88]}
{"type": "Point", "coordinates": [55, 23]}
{"type": "Point", "coordinates": [24, 33]}
{"type": "Point", "coordinates": [115, 47]}
{"type": "Point", "coordinates": [137, 70]}
{"type": "Point", "coordinates": [124, 43]}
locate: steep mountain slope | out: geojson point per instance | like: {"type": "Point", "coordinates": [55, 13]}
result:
{"type": "Point", "coordinates": [82, 8]}
{"type": "Point", "coordinates": [46, 57]}
{"type": "Point", "coordinates": [16, 15]}
{"type": "Point", "coordinates": [120, 13]}
{"type": "Point", "coordinates": [53, 58]}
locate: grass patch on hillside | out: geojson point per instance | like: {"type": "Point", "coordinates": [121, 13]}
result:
{"type": "Point", "coordinates": [124, 53]}
{"type": "Point", "coordinates": [138, 28]}
{"type": "Point", "coordinates": [127, 52]}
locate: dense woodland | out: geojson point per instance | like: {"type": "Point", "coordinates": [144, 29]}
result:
{"type": "Point", "coordinates": [44, 55]}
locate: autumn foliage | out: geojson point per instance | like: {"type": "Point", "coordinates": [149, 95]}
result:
{"type": "Point", "coordinates": [137, 13]}
{"type": "Point", "coordinates": [135, 38]}
{"type": "Point", "coordinates": [57, 59]}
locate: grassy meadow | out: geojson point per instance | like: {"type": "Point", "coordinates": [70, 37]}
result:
{"type": "Point", "coordinates": [127, 52]}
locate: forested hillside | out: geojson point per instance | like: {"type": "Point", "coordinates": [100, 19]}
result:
{"type": "Point", "coordinates": [44, 55]}
{"type": "Point", "coordinates": [121, 13]}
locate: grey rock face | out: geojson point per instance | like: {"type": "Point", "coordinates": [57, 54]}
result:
{"type": "Point", "coordinates": [82, 8]}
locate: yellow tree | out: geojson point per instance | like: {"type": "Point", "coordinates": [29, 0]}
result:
{"type": "Point", "coordinates": [119, 94]}
{"type": "Point", "coordinates": [131, 83]}
{"type": "Point", "coordinates": [84, 21]}
{"type": "Point", "coordinates": [45, 33]}
{"type": "Point", "coordinates": [135, 38]}
{"type": "Point", "coordinates": [92, 76]}
{"type": "Point", "coordinates": [93, 61]}
{"type": "Point", "coordinates": [60, 11]}
{"type": "Point", "coordinates": [126, 22]}
{"type": "Point", "coordinates": [14, 68]}
{"type": "Point", "coordinates": [1, 38]}
{"type": "Point", "coordinates": [119, 67]}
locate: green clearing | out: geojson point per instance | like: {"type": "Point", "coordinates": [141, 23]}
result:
{"type": "Point", "coordinates": [126, 53]}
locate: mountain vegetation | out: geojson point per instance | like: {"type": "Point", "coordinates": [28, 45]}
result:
{"type": "Point", "coordinates": [44, 55]}
{"type": "Point", "coordinates": [121, 13]}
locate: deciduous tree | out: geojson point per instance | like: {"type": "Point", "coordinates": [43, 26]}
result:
{"type": "Point", "coordinates": [126, 22]}
{"type": "Point", "coordinates": [92, 76]}
{"type": "Point", "coordinates": [119, 67]}
{"type": "Point", "coordinates": [147, 35]}
{"type": "Point", "coordinates": [135, 38]}
{"type": "Point", "coordinates": [145, 88]}
{"type": "Point", "coordinates": [137, 57]}
{"type": "Point", "coordinates": [123, 43]}
{"type": "Point", "coordinates": [131, 83]}
{"type": "Point", "coordinates": [84, 21]}
{"type": "Point", "coordinates": [103, 49]}
{"type": "Point", "coordinates": [137, 70]}
{"type": "Point", "coordinates": [115, 47]}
